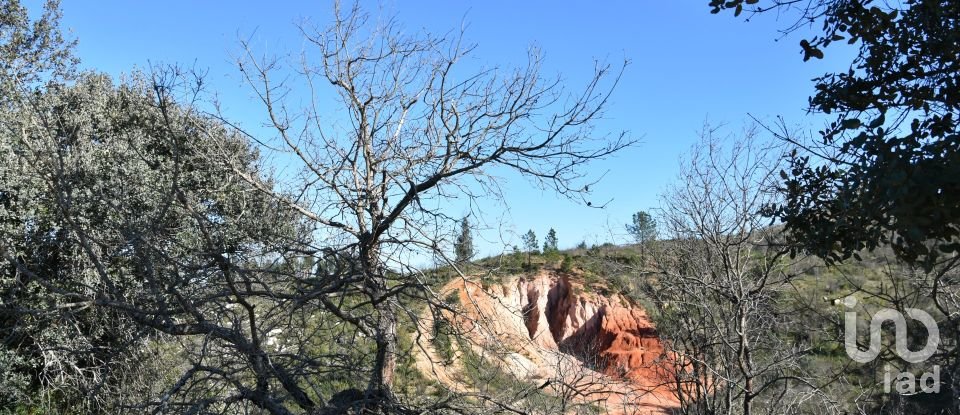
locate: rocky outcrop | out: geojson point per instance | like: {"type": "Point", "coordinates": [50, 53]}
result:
{"type": "Point", "coordinates": [608, 334]}
{"type": "Point", "coordinates": [628, 346]}
{"type": "Point", "coordinates": [547, 326]}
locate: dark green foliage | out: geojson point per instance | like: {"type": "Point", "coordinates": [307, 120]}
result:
{"type": "Point", "coordinates": [567, 264]}
{"type": "Point", "coordinates": [442, 339]}
{"type": "Point", "coordinates": [887, 170]}
{"type": "Point", "coordinates": [463, 248]}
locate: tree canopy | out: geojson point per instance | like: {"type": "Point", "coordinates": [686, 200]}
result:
{"type": "Point", "coordinates": [887, 170]}
{"type": "Point", "coordinates": [122, 225]}
{"type": "Point", "coordinates": [550, 241]}
{"type": "Point", "coordinates": [642, 227]}
{"type": "Point", "coordinates": [530, 241]}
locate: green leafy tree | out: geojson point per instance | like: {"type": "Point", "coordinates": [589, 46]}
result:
{"type": "Point", "coordinates": [34, 56]}
{"type": "Point", "coordinates": [550, 242]}
{"type": "Point", "coordinates": [123, 224]}
{"type": "Point", "coordinates": [463, 249]}
{"type": "Point", "coordinates": [886, 170]}
{"type": "Point", "coordinates": [567, 264]}
{"type": "Point", "coordinates": [127, 227]}
{"type": "Point", "coordinates": [642, 227]}
{"type": "Point", "coordinates": [530, 246]}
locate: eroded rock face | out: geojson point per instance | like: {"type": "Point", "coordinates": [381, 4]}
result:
{"type": "Point", "coordinates": [547, 326]}
{"type": "Point", "coordinates": [629, 346]}
{"type": "Point", "coordinates": [608, 334]}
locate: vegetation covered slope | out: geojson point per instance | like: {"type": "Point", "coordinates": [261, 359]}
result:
{"type": "Point", "coordinates": [808, 310]}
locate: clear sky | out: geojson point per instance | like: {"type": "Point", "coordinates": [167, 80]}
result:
{"type": "Point", "coordinates": [688, 66]}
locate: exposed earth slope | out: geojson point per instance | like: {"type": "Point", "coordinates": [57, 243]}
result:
{"type": "Point", "coordinates": [546, 330]}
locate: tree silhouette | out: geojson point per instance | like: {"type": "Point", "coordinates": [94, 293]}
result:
{"type": "Point", "coordinates": [463, 248]}
{"type": "Point", "coordinates": [886, 170]}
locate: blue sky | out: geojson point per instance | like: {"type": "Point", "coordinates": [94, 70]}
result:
{"type": "Point", "coordinates": [688, 66]}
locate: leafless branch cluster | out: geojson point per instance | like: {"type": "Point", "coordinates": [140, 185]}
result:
{"type": "Point", "coordinates": [415, 127]}
{"type": "Point", "coordinates": [717, 280]}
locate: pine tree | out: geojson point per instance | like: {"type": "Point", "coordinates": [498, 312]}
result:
{"type": "Point", "coordinates": [530, 241]}
{"type": "Point", "coordinates": [464, 246]}
{"type": "Point", "coordinates": [643, 228]}
{"type": "Point", "coordinates": [550, 242]}
{"type": "Point", "coordinates": [530, 246]}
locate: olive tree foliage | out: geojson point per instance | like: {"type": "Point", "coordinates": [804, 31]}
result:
{"type": "Point", "coordinates": [415, 127]}
{"type": "Point", "coordinates": [140, 273]}
{"type": "Point", "coordinates": [130, 240]}
{"type": "Point", "coordinates": [718, 277]}
{"type": "Point", "coordinates": [32, 54]}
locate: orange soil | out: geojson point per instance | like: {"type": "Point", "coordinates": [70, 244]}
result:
{"type": "Point", "coordinates": [539, 328]}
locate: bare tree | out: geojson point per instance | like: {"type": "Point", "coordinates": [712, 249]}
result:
{"type": "Point", "coordinates": [718, 275]}
{"type": "Point", "coordinates": [579, 389]}
{"type": "Point", "coordinates": [246, 295]}
{"type": "Point", "coordinates": [416, 127]}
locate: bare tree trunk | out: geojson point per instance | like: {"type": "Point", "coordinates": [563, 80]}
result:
{"type": "Point", "coordinates": [746, 365]}
{"type": "Point", "coordinates": [386, 358]}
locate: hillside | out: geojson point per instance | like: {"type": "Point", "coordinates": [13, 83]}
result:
{"type": "Point", "coordinates": [575, 332]}
{"type": "Point", "coordinates": [543, 328]}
